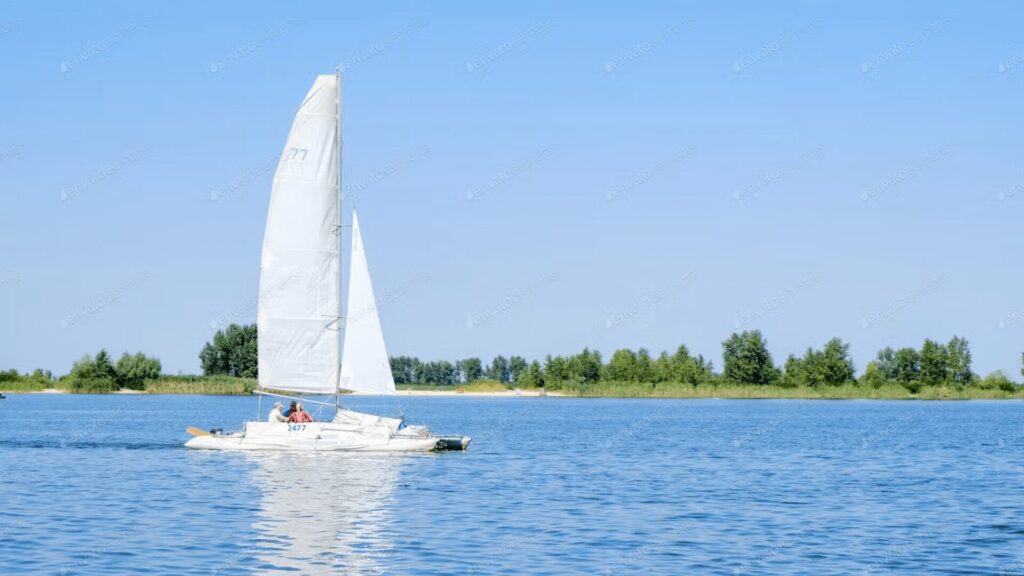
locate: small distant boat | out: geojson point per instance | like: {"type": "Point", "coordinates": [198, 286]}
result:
{"type": "Point", "coordinates": [299, 317]}
{"type": "Point", "coordinates": [2, 397]}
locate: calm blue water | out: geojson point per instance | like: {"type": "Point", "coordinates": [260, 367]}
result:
{"type": "Point", "coordinates": [101, 485]}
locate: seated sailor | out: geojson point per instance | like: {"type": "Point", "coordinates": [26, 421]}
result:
{"type": "Point", "coordinates": [300, 415]}
{"type": "Point", "coordinates": [275, 414]}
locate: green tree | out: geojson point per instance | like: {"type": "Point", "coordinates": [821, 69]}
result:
{"type": "Point", "coordinates": [536, 372]}
{"type": "Point", "coordinates": [681, 362]}
{"type": "Point", "coordinates": [813, 368]}
{"type": "Point", "coordinates": [417, 370]}
{"type": "Point", "coordinates": [84, 367]}
{"type": "Point", "coordinates": [644, 366]}
{"type": "Point", "coordinates": [687, 369]}
{"type": "Point", "coordinates": [531, 377]}
{"type": "Point", "coordinates": [831, 366]}
{"type": "Point", "coordinates": [959, 357]}
{"type": "Point", "coordinates": [442, 372]}
{"type": "Point", "coordinates": [516, 366]}
{"type": "Point", "coordinates": [747, 360]}
{"type": "Point", "coordinates": [664, 368]}
{"type": "Point", "coordinates": [998, 381]}
{"type": "Point", "coordinates": [556, 370]}
{"type": "Point", "coordinates": [472, 369]}
{"type": "Point", "coordinates": [499, 369]}
{"type": "Point", "coordinates": [886, 363]}
{"type": "Point", "coordinates": [934, 363]}
{"type": "Point", "coordinates": [793, 373]}
{"type": "Point", "coordinates": [907, 365]}
{"type": "Point", "coordinates": [232, 352]}
{"type": "Point", "coordinates": [410, 368]}
{"type": "Point", "coordinates": [622, 366]}
{"type": "Point", "coordinates": [585, 366]}
{"type": "Point", "coordinates": [706, 368]}
{"type": "Point", "coordinates": [134, 369]}
{"type": "Point", "coordinates": [403, 369]}
{"type": "Point", "coordinates": [425, 373]}
{"type": "Point", "coordinates": [420, 371]}
{"type": "Point", "coordinates": [873, 376]}
{"type": "Point", "coordinates": [93, 374]}
{"type": "Point", "coordinates": [837, 364]}
{"type": "Point", "coordinates": [103, 367]}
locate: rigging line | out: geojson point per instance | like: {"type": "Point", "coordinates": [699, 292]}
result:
{"type": "Point", "coordinates": [297, 398]}
{"type": "Point", "coordinates": [319, 411]}
{"type": "Point", "coordinates": [400, 404]}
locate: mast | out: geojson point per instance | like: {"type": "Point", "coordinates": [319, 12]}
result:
{"type": "Point", "coordinates": [337, 386]}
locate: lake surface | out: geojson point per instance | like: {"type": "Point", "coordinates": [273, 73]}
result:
{"type": "Point", "coordinates": [102, 485]}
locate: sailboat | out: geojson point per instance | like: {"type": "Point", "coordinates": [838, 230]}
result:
{"type": "Point", "coordinates": [299, 316]}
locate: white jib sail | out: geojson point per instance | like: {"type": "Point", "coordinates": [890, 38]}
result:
{"type": "Point", "coordinates": [365, 366]}
{"type": "Point", "coordinates": [300, 284]}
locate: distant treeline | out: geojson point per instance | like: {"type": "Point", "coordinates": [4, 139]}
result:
{"type": "Point", "coordinates": [232, 353]}
{"type": "Point", "coordinates": [746, 361]}
{"type": "Point", "coordinates": [90, 374]}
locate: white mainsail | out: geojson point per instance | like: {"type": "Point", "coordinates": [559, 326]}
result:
{"type": "Point", "coordinates": [300, 284]}
{"type": "Point", "coordinates": [365, 367]}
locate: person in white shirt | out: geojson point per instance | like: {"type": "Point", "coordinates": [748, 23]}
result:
{"type": "Point", "coordinates": [275, 414]}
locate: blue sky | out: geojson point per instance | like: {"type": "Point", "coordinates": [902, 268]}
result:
{"type": "Point", "coordinates": [530, 178]}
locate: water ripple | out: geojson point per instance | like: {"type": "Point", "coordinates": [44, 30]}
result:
{"type": "Point", "coordinates": [102, 485]}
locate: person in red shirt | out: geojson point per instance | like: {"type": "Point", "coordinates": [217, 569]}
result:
{"type": "Point", "coordinates": [299, 415]}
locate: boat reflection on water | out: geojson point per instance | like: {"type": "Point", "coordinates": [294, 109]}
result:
{"type": "Point", "coordinates": [325, 512]}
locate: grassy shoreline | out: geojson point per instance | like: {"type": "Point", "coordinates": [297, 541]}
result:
{"type": "Point", "coordinates": [740, 391]}
{"type": "Point", "coordinates": [204, 385]}
{"type": "Point", "coordinates": [209, 385]}
{"type": "Point", "coordinates": [736, 391]}
{"type": "Point", "coordinates": [725, 391]}
{"type": "Point", "coordinates": [228, 386]}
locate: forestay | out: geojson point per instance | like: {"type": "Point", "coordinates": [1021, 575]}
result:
{"type": "Point", "coordinates": [300, 285]}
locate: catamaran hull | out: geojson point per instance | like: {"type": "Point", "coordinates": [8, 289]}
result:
{"type": "Point", "coordinates": [330, 437]}
{"type": "Point", "coordinates": [212, 442]}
